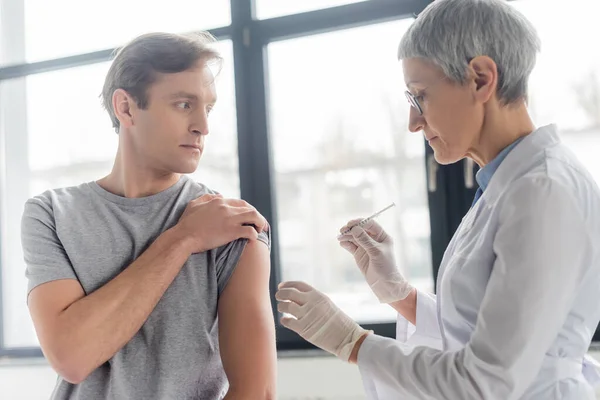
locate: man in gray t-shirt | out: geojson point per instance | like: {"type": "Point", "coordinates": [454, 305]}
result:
{"type": "Point", "coordinates": [145, 284]}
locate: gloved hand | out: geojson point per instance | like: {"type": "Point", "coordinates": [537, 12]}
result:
{"type": "Point", "coordinates": [373, 251]}
{"type": "Point", "coordinates": [317, 319]}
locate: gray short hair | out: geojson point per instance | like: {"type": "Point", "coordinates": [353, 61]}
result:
{"type": "Point", "coordinates": [136, 64]}
{"type": "Point", "coordinates": [450, 33]}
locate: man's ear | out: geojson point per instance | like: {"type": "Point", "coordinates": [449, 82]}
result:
{"type": "Point", "coordinates": [484, 73]}
{"type": "Point", "coordinates": [123, 104]}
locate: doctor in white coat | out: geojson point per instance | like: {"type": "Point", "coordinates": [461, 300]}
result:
{"type": "Point", "coordinates": [518, 291]}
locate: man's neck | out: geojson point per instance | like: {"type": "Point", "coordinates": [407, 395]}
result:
{"type": "Point", "coordinates": [134, 180]}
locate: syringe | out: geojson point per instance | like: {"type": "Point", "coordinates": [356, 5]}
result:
{"type": "Point", "coordinates": [364, 221]}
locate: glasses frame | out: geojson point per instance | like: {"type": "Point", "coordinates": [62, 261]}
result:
{"type": "Point", "coordinates": [412, 99]}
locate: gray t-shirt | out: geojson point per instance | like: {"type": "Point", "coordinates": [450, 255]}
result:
{"type": "Point", "coordinates": [91, 235]}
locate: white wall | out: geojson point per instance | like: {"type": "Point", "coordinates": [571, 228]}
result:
{"type": "Point", "coordinates": [306, 378]}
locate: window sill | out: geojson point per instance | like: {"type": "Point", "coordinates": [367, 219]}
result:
{"type": "Point", "coordinates": [11, 362]}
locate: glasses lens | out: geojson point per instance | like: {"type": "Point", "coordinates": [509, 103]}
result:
{"type": "Point", "coordinates": [412, 101]}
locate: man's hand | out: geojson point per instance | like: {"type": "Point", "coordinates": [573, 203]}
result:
{"type": "Point", "coordinates": [317, 319]}
{"type": "Point", "coordinates": [373, 251]}
{"type": "Point", "coordinates": [211, 221]}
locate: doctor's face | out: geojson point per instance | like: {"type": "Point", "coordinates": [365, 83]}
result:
{"type": "Point", "coordinates": [451, 120]}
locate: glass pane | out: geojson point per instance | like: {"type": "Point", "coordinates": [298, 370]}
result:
{"type": "Point", "coordinates": [65, 27]}
{"type": "Point", "coordinates": [56, 134]}
{"type": "Point", "coordinates": [565, 84]}
{"type": "Point", "coordinates": [218, 167]}
{"type": "Point", "coordinates": [342, 150]}
{"type": "Point", "coordinates": [277, 8]}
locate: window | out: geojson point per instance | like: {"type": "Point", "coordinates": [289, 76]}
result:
{"type": "Point", "coordinates": [341, 151]}
{"type": "Point", "coordinates": [66, 138]}
{"type": "Point", "coordinates": [60, 28]}
{"type": "Point", "coordinates": [218, 167]}
{"type": "Point", "coordinates": [277, 8]}
{"type": "Point", "coordinates": [310, 147]}
{"type": "Point", "coordinates": [573, 101]}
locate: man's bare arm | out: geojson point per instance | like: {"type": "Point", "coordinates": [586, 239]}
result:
{"type": "Point", "coordinates": [247, 328]}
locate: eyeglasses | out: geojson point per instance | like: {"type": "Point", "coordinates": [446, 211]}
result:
{"type": "Point", "coordinates": [414, 102]}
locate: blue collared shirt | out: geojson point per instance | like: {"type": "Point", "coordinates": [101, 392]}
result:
{"type": "Point", "coordinates": [485, 174]}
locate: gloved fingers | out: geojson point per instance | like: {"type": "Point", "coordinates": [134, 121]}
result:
{"type": "Point", "coordinates": [291, 323]}
{"type": "Point", "coordinates": [345, 238]}
{"type": "Point", "coordinates": [349, 246]}
{"type": "Point", "coordinates": [291, 308]}
{"type": "Point", "coordinates": [350, 224]}
{"type": "Point", "coordinates": [301, 286]}
{"type": "Point", "coordinates": [291, 294]}
{"type": "Point", "coordinates": [371, 226]}
{"type": "Point", "coordinates": [375, 230]}
{"type": "Point", "coordinates": [362, 238]}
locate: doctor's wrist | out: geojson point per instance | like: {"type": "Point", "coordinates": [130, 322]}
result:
{"type": "Point", "coordinates": [354, 354]}
{"type": "Point", "coordinates": [407, 307]}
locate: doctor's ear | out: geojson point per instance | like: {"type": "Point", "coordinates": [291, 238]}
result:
{"type": "Point", "coordinates": [484, 76]}
{"type": "Point", "coordinates": [123, 105]}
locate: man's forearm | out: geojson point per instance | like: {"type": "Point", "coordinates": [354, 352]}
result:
{"type": "Point", "coordinates": [95, 327]}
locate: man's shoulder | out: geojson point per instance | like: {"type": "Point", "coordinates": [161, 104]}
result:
{"type": "Point", "coordinates": [62, 196]}
{"type": "Point", "coordinates": [196, 189]}
{"type": "Point", "coordinates": [192, 189]}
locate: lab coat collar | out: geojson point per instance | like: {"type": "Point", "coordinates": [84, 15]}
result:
{"type": "Point", "coordinates": [520, 160]}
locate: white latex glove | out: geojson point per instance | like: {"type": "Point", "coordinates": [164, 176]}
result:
{"type": "Point", "coordinates": [317, 319]}
{"type": "Point", "coordinates": [373, 251]}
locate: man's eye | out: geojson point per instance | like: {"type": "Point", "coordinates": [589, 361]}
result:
{"type": "Point", "coordinates": [184, 105]}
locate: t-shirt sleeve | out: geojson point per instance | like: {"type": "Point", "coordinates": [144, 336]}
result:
{"type": "Point", "coordinates": [45, 257]}
{"type": "Point", "coordinates": [228, 256]}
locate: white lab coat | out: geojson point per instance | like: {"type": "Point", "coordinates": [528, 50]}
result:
{"type": "Point", "coordinates": [518, 292]}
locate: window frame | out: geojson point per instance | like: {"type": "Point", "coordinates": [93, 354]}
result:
{"type": "Point", "coordinates": [448, 196]}
{"type": "Point", "coordinates": [250, 40]}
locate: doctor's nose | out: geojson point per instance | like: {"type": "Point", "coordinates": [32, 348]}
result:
{"type": "Point", "coordinates": [416, 122]}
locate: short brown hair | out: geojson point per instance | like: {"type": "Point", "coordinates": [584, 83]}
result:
{"type": "Point", "coordinates": [135, 66]}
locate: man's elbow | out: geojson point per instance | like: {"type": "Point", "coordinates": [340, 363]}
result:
{"type": "Point", "coordinates": [261, 386]}
{"type": "Point", "coordinates": [67, 364]}
{"type": "Point", "coordinates": [262, 392]}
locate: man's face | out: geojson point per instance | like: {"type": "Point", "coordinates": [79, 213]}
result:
{"type": "Point", "coordinates": [168, 136]}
